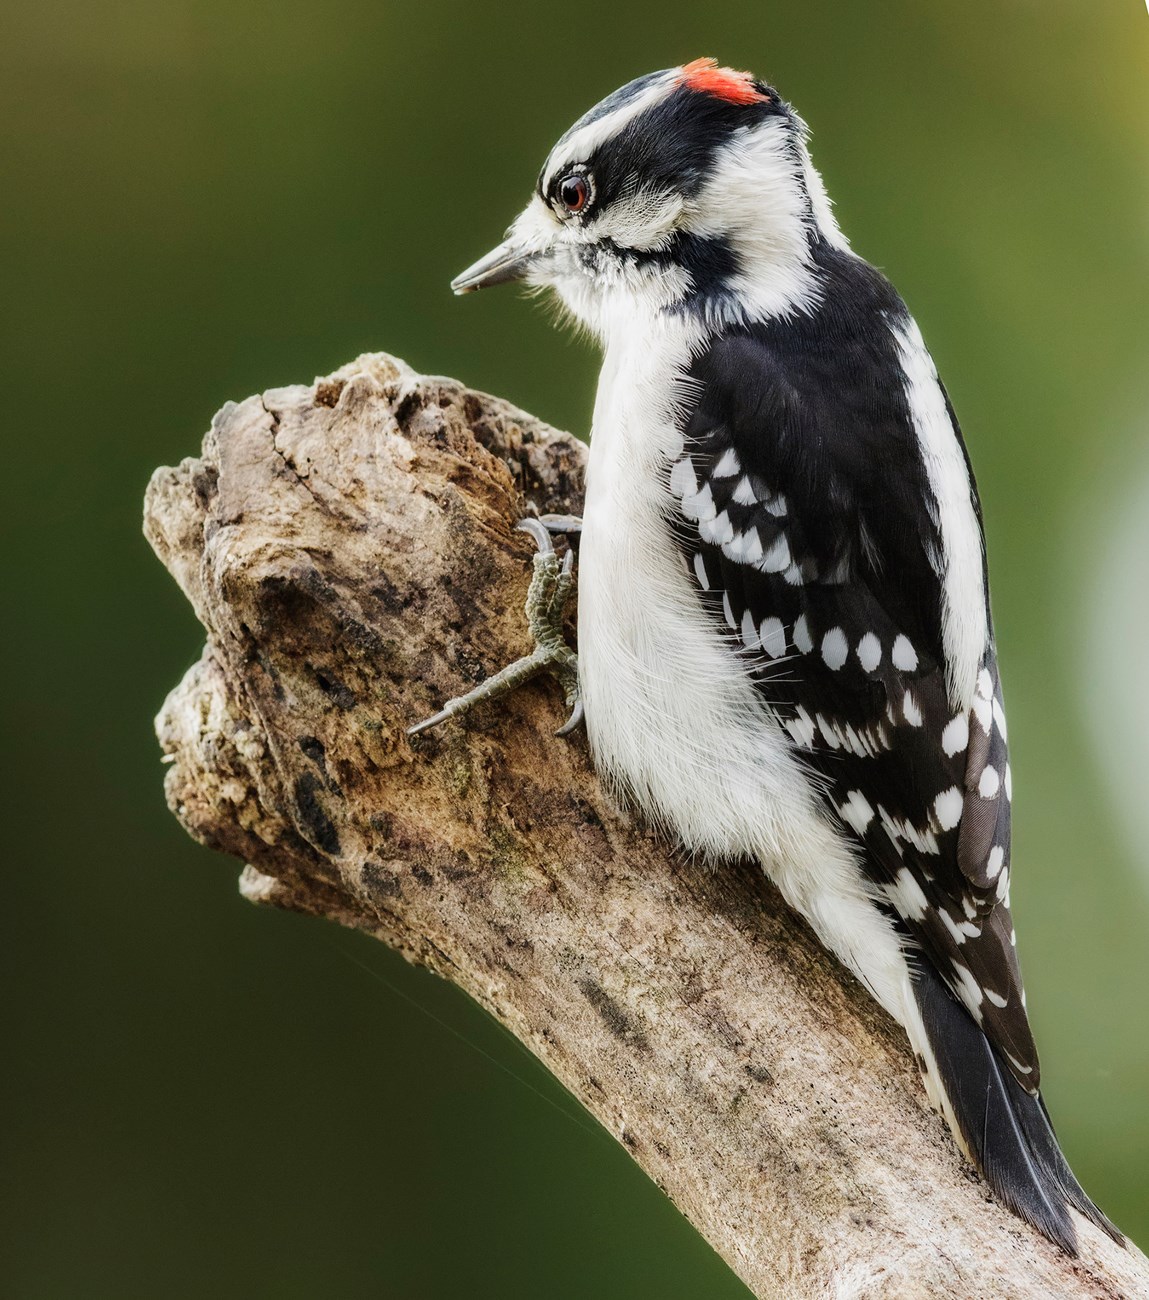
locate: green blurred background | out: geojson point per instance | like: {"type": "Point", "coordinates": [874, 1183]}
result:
{"type": "Point", "coordinates": [203, 199]}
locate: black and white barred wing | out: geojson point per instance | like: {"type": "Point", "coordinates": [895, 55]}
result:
{"type": "Point", "coordinates": [826, 597]}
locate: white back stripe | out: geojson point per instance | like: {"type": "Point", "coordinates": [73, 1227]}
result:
{"type": "Point", "coordinates": [965, 627]}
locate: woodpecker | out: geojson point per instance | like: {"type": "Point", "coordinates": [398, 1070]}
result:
{"type": "Point", "coordinates": [785, 647]}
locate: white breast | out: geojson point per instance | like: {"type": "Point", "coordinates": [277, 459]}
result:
{"type": "Point", "coordinates": [674, 721]}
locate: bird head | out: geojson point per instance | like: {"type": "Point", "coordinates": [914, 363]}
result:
{"type": "Point", "coordinates": [689, 189]}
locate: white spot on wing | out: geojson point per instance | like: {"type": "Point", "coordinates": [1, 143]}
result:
{"type": "Point", "coordinates": [1017, 1065]}
{"type": "Point", "coordinates": [801, 727]}
{"type": "Point", "coordinates": [777, 557]}
{"type": "Point", "coordinates": [802, 639]}
{"type": "Point", "coordinates": [904, 656]}
{"type": "Point", "coordinates": [983, 711]}
{"type": "Point", "coordinates": [854, 742]}
{"type": "Point", "coordinates": [683, 482]}
{"type": "Point", "coordinates": [751, 546]}
{"type": "Point", "coordinates": [699, 505]}
{"type": "Point", "coordinates": [835, 648]}
{"type": "Point", "coordinates": [995, 861]}
{"type": "Point", "coordinates": [743, 494]}
{"type": "Point", "coordinates": [793, 576]}
{"type": "Point", "coordinates": [856, 811]}
{"type": "Point", "coordinates": [718, 530]}
{"type": "Point", "coordinates": [957, 933]}
{"type": "Point", "coordinates": [829, 732]}
{"type": "Point", "coordinates": [869, 652]}
{"type": "Point", "coordinates": [907, 895]}
{"type": "Point", "coordinates": [734, 549]}
{"type": "Point", "coordinates": [955, 735]}
{"type": "Point", "coordinates": [910, 708]}
{"type": "Point", "coordinates": [749, 631]}
{"type": "Point", "coordinates": [996, 998]}
{"type": "Point", "coordinates": [947, 808]}
{"type": "Point", "coordinates": [727, 612]}
{"type": "Point", "coordinates": [967, 989]}
{"type": "Point", "coordinates": [990, 782]}
{"type": "Point", "coordinates": [700, 572]}
{"type": "Point", "coordinates": [728, 466]}
{"type": "Point", "coordinates": [773, 637]}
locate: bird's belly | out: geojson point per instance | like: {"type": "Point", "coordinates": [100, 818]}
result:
{"type": "Point", "coordinates": [675, 722]}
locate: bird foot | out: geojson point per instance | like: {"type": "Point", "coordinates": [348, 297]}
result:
{"type": "Point", "coordinates": [546, 604]}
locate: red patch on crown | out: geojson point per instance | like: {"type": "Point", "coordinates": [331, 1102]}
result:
{"type": "Point", "coordinates": [706, 77]}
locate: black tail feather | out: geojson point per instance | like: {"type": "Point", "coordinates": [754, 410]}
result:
{"type": "Point", "coordinates": [1043, 1142]}
{"type": "Point", "coordinates": [1005, 1128]}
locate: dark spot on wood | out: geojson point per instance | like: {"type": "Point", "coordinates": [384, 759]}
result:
{"type": "Point", "coordinates": [314, 749]}
{"type": "Point", "coordinates": [760, 1074]}
{"type": "Point", "coordinates": [341, 696]}
{"type": "Point", "coordinates": [474, 409]}
{"type": "Point", "coordinates": [390, 597]}
{"type": "Point", "coordinates": [320, 828]}
{"type": "Point", "coordinates": [205, 482]}
{"type": "Point", "coordinates": [380, 822]}
{"type": "Point", "coordinates": [381, 882]}
{"type": "Point", "coordinates": [616, 1018]}
{"type": "Point", "coordinates": [407, 406]}
{"type": "Point", "coordinates": [329, 392]}
{"type": "Point", "coordinates": [284, 601]}
{"type": "Point", "coordinates": [724, 1030]}
{"type": "Point", "coordinates": [422, 875]}
{"type": "Point", "coordinates": [629, 1140]}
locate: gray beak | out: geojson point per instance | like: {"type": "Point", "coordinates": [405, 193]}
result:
{"type": "Point", "coordinates": [510, 261]}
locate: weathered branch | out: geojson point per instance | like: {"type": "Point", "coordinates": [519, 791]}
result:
{"type": "Point", "coordinates": [349, 548]}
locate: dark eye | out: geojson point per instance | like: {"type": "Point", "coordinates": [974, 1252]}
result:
{"type": "Point", "coordinates": [574, 192]}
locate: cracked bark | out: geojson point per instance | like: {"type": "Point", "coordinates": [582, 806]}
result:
{"type": "Point", "coordinates": [348, 547]}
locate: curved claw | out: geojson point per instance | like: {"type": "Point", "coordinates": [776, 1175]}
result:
{"type": "Point", "coordinates": [538, 532]}
{"type": "Point", "coordinates": [569, 524]}
{"type": "Point", "coordinates": [576, 719]}
{"type": "Point", "coordinates": [428, 723]}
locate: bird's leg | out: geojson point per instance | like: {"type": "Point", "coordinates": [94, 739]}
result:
{"type": "Point", "coordinates": [546, 604]}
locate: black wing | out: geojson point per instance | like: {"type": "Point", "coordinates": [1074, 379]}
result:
{"type": "Point", "coordinates": [802, 508]}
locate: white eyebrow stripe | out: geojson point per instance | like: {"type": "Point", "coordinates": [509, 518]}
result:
{"type": "Point", "coordinates": [579, 145]}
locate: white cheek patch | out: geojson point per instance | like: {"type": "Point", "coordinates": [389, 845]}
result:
{"type": "Point", "coordinates": [643, 220]}
{"type": "Point", "coordinates": [755, 200]}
